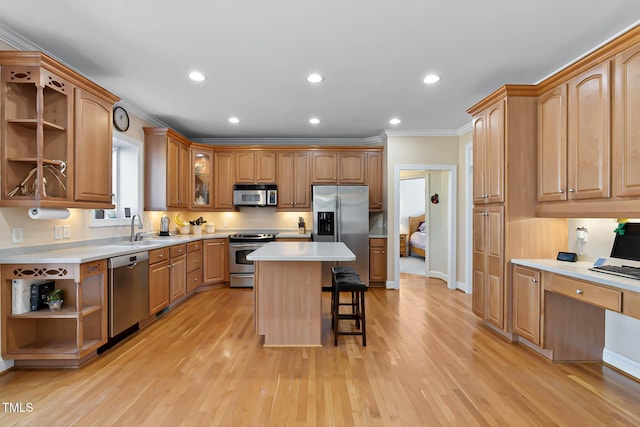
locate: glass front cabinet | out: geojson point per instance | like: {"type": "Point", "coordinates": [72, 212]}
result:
{"type": "Point", "coordinates": [201, 179]}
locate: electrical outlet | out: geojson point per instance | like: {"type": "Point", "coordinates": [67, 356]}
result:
{"type": "Point", "coordinates": [66, 231]}
{"type": "Point", "coordinates": [225, 223]}
{"type": "Point", "coordinates": [379, 223]}
{"type": "Point", "coordinates": [17, 234]}
{"type": "Point", "coordinates": [57, 232]}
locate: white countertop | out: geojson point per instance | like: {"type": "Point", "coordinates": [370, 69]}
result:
{"type": "Point", "coordinates": [580, 270]}
{"type": "Point", "coordinates": [92, 251]}
{"type": "Point", "coordinates": [302, 251]}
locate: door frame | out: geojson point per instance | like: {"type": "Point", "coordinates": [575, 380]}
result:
{"type": "Point", "coordinates": [452, 182]}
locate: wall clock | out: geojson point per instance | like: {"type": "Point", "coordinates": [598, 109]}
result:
{"type": "Point", "coordinates": [120, 119]}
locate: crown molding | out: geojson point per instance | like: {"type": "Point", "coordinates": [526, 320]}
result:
{"type": "Point", "coordinates": [465, 128]}
{"type": "Point", "coordinates": [373, 140]}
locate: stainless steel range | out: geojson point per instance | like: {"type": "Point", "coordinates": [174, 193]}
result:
{"type": "Point", "coordinates": [240, 245]}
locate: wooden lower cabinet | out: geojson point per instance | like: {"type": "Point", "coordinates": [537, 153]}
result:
{"type": "Point", "coordinates": [65, 338]}
{"type": "Point", "coordinates": [216, 261]}
{"type": "Point", "coordinates": [377, 260]}
{"type": "Point", "coordinates": [158, 280]}
{"type": "Point", "coordinates": [177, 272]}
{"type": "Point", "coordinates": [194, 266]}
{"type": "Point", "coordinates": [527, 305]}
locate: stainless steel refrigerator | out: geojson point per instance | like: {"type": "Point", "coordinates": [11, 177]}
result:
{"type": "Point", "coordinates": [341, 214]}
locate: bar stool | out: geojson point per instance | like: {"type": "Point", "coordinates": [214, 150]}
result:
{"type": "Point", "coordinates": [357, 288]}
{"type": "Point", "coordinates": [340, 272]}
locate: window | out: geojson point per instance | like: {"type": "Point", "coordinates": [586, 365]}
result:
{"type": "Point", "coordinates": [127, 184]}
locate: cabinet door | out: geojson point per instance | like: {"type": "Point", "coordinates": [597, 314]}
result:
{"type": "Point", "coordinates": [351, 168]}
{"type": "Point", "coordinates": [92, 148]}
{"type": "Point", "coordinates": [215, 259]}
{"type": "Point", "coordinates": [479, 260]}
{"type": "Point", "coordinates": [589, 141]}
{"type": "Point", "coordinates": [377, 260]}
{"type": "Point", "coordinates": [626, 131]}
{"type": "Point", "coordinates": [324, 168]}
{"type": "Point", "coordinates": [552, 145]}
{"type": "Point", "coordinates": [173, 174]}
{"type": "Point", "coordinates": [479, 158]}
{"type": "Point", "coordinates": [224, 174]}
{"type": "Point", "coordinates": [286, 182]}
{"type": "Point", "coordinates": [374, 181]}
{"type": "Point", "coordinates": [302, 187]}
{"type": "Point", "coordinates": [494, 164]}
{"type": "Point", "coordinates": [245, 172]}
{"type": "Point", "coordinates": [178, 277]}
{"type": "Point", "coordinates": [184, 176]}
{"type": "Point", "coordinates": [201, 178]}
{"type": "Point", "coordinates": [526, 303]}
{"type": "Point", "coordinates": [265, 167]}
{"type": "Point", "coordinates": [158, 286]}
{"type": "Point", "coordinates": [494, 280]}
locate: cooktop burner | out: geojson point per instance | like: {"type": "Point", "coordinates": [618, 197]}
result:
{"type": "Point", "coordinates": [252, 237]}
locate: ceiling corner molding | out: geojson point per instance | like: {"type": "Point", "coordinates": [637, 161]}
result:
{"type": "Point", "coordinates": [464, 129]}
{"type": "Point", "coordinates": [15, 40]}
{"type": "Point", "coordinates": [425, 132]}
{"type": "Point", "coordinates": [373, 140]}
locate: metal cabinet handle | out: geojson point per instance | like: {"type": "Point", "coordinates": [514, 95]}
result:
{"type": "Point", "coordinates": [579, 291]}
{"type": "Point", "coordinates": [534, 280]}
{"type": "Point", "coordinates": [572, 190]}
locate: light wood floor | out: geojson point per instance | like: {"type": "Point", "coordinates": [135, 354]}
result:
{"type": "Point", "coordinates": [428, 361]}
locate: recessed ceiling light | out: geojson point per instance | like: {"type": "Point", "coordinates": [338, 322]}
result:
{"type": "Point", "coordinates": [314, 120]}
{"type": "Point", "coordinates": [196, 76]}
{"type": "Point", "coordinates": [395, 121]}
{"type": "Point", "coordinates": [234, 120]}
{"type": "Point", "coordinates": [314, 78]}
{"type": "Point", "coordinates": [431, 78]}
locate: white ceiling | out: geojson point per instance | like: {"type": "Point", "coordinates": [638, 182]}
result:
{"type": "Point", "coordinates": [256, 54]}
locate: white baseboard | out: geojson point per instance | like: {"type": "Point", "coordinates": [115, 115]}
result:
{"type": "Point", "coordinates": [391, 284]}
{"type": "Point", "coordinates": [5, 364]}
{"type": "Point", "coordinates": [630, 366]}
{"type": "Point", "coordinates": [463, 287]}
{"type": "Point", "coordinates": [439, 275]}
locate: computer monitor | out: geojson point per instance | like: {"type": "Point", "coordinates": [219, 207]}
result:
{"type": "Point", "coordinates": [627, 245]}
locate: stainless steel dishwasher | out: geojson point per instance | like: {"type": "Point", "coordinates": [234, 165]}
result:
{"type": "Point", "coordinates": [128, 291]}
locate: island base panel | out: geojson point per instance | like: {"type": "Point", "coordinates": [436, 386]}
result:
{"type": "Point", "coordinates": [289, 298]}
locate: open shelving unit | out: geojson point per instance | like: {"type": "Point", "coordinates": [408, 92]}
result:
{"type": "Point", "coordinates": [65, 338]}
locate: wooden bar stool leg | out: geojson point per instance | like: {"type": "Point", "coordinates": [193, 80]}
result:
{"type": "Point", "coordinates": [364, 323]}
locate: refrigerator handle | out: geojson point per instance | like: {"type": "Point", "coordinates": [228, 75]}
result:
{"type": "Point", "coordinates": [338, 220]}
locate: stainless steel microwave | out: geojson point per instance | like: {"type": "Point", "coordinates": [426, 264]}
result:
{"type": "Point", "coordinates": [255, 195]}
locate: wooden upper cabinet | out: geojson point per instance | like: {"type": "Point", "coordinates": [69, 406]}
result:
{"type": "Point", "coordinates": [552, 144]}
{"type": "Point", "coordinates": [294, 189]}
{"type": "Point", "coordinates": [256, 167]}
{"type": "Point", "coordinates": [589, 134]}
{"type": "Point", "coordinates": [574, 143]}
{"type": "Point", "coordinates": [329, 167]}
{"type": "Point", "coordinates": [374, 181]}
{"type": "Point", "coordinates": [489, 154]}
{"type": "Point", "coordinates": [224, 174]}
{"type": "Point", "coordinates": [324, 167]}
{"type": "Point", "coordinates": [626, 130]}
{"type": "Point", "coordinates": [167, 169]}
{"type": "Point", "coordinates": [92, 146]}
{"type": "Point", "coordinates": [351, 168]}
{"type": "Point", "coordinates": [201, 178]}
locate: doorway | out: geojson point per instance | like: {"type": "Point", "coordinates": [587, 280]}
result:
{"type": "Point", "coordinates": [441, 264]}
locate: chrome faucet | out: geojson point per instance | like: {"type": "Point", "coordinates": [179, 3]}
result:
{"type": "Point", "coordinates": [137, 236]}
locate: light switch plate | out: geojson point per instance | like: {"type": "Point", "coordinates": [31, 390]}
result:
{"type": "Point", "coordinates": [16, 233]}
{"type": "Point", "coordinates": [57, 232]}
{"type": "Point", "coordinates": [66, 231]}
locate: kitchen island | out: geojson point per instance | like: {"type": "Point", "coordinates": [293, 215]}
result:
{"type": "Point", "coordinates": [288, 290]}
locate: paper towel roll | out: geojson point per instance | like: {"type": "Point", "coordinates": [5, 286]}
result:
{"type": "Point", "coordinates": [48, 213]}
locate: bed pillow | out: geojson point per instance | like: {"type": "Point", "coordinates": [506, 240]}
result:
{"type": "Point", "coordinates": [422, 227]}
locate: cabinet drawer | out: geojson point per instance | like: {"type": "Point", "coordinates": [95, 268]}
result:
{"type": "Point", "coordinates": [584, 291]}
{"type": "Point", "coordinates": [178, 250]}
{"type": "Point", "coordinates": [194, 279]}
{"type": "Point", "coordinates": [158, 255]}
{"type": "Point", "coordinates": [194, 261]}
{"type": "Point", "coordinates": [194, 246]}
{"type": "Point", "coordinates": [377, 242]}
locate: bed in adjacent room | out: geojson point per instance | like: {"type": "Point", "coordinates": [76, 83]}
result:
{"type": "Point", "coordinates": [417, 235]}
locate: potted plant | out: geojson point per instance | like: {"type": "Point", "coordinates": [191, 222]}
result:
{"type": "Point", "coordinates": [54, 299]}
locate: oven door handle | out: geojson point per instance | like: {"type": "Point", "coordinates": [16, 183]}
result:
{"type": "Point", "coordinates": [242, 276]}
{"type": "Point", "coordinates": [235, 245]}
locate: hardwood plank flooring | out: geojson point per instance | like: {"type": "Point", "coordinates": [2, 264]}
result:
{"type": "Point", "coordinates": [428, 361]}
